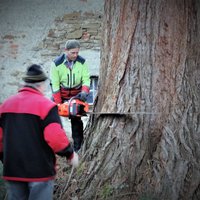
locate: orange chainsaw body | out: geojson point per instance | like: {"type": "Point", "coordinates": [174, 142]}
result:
{"type": "Point", "coordinates": [73, 107]}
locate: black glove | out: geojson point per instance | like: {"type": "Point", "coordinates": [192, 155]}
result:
{"type": "Point", "coordinates": [82, 96]}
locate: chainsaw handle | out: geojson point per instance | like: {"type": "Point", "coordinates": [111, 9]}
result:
{"type": "Point", "coordinates": [72, 108]}
{"type": "Point", "coordinates": [70, 100]}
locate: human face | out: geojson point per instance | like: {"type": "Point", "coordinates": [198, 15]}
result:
{"type": "Point", "coordinates": [72, 53]}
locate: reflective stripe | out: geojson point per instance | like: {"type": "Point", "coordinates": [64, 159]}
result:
{"type": "Point", "coordinates": [73, 79]}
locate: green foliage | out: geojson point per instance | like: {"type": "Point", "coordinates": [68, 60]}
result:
{"type": "Point", "coordinates": [80, 169]}
{"type": "Point", "coordinates": [148, 197]}
{"type": "Point", "coordinates": [2, 184]}
{"type": "Point", "coordinates": [106, 191]}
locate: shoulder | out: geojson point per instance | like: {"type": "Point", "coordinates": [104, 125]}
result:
{"type": "Point", "coordinates": [46, 102]}
{"type": "Point", "coordinates": [59, 60]}
{"type": "Point", "coordinates": [45, 105]}
{"type": "Point", "coordinates": [80, 59]}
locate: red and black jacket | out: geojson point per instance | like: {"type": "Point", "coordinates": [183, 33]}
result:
{"type": "Point", "coordinates": [31, 134]}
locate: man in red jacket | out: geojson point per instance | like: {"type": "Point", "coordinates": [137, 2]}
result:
{"type": "Point", "coordinates": [31, 134]}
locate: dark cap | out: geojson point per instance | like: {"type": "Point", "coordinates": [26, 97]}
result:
{"type": "Point", "coordinates": [34, 74]}
{"type": "Point", "coordinates": [72, 44]}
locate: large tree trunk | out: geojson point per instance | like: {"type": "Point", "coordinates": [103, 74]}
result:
{"type": "Point", "coordinates": [149, 63]}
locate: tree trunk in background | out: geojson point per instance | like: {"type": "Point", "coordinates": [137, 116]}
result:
{"type": "Point", "coordinates": [150, 62]}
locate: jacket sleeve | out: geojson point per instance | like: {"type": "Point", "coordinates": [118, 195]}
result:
{"type": "Point", "coordinates": [54, 78]}
{"type": "Point", "coordinates": [85, 78]}
{"type": "Point", "coordinates": [55, 135]}
{"type": "Point", "coordinates": [57, 97]}
{"type": "Point", "coordinates": [1, 142]}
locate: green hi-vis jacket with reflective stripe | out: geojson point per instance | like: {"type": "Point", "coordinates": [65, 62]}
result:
{"type": "Point", "coordinates": [63, 77]}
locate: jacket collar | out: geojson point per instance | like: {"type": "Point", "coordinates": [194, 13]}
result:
{"type": "Point", "coordinates": [30, 89]}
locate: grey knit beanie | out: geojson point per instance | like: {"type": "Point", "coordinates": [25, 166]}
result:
{"type": "Point", "coordinates": [72, 44]}
{"type": "Point", "coordinates": [34, 74]}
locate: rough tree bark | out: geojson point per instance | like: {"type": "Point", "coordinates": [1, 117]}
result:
{"type": "Point", "coordinates": [150, 62]}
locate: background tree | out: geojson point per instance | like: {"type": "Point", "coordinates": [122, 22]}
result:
{"type": "Point", "coordinates": [149, 63]}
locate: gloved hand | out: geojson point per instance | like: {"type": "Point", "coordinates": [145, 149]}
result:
{"type": "Point", "coordinates": [82, 96]}
{"type": "Point", "coordinates": [74, 161]}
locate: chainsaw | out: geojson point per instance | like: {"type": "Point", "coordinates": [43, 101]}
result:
{"type": "Point", "coordinates": [73, 107]}
{"type": "Point", "coordinates": [76, 107]}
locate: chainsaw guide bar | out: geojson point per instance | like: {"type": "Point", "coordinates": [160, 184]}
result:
{"type": "Point", "coordinates": [76, 107]}
{"type": "Point", "coordinates": [125, 113]}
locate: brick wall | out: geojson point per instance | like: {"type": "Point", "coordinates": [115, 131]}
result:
{"type": "Point", "coordinates": [36, 31]}
{"type": "Point", "coordinates": [85, 27]}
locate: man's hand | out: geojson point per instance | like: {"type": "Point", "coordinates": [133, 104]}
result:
{"type": "Point", "coordinates": [74, 161]}
{"type": "Point", "coordinates": [82, 96]}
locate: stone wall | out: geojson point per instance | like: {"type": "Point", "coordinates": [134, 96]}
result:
{"type": "Point", "coordinates": [36, 31]}
{"type": "Point", "coordinates": [85, 27]}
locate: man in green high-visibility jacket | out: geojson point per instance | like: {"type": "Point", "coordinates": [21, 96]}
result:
{"type": "Point", "coordinates": [70, 77]}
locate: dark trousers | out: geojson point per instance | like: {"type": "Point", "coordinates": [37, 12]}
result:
{"type": "Point", "coordinates": [77, 132]}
